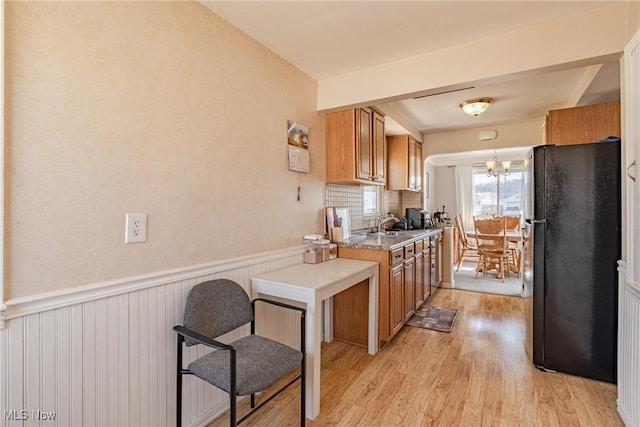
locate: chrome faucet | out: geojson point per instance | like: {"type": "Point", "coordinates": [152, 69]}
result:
{"type": "Point", "coordinates": [384, 220]}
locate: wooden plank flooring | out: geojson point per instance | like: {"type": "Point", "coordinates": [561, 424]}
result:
{"type": "Point", "coordinates": [477, 375]}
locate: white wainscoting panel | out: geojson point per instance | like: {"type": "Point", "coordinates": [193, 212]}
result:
{"type": "Point", "coordinates": [628, 349]}
{"type": "Point", "coordinates": [106, 355]}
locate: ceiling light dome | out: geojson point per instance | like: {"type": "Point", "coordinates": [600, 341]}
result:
{"type": "Point", "coordinates": [475, 106]}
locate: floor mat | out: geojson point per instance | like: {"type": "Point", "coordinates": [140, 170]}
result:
{"type": "Point", "coordinates": [436, 318]}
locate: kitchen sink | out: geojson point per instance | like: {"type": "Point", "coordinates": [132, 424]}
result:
{"type": "Point", "coordinates": [384, 233]}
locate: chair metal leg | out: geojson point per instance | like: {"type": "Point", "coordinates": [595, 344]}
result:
{"type": "Point", "coordinates": [232, 410]}
{"type": "Point", "coordinates": [303, 369]}
{"type": "Point", "coordinates": [179, 383]}
{"type": "Point", "coordinates": [303, 418]}
{"type": "Point", "coordinates": [232, 389]}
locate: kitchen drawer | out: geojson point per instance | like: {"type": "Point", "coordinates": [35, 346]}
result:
{"type": "Point", "coordinates": [396, 256]}
{"type": "Point", "coordinates": [419, 246]}
{"type": "Point", "coordinates": [409, 250]}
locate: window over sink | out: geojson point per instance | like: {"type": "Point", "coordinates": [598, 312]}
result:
{"type": "Point", "coordinates": [371, 200]}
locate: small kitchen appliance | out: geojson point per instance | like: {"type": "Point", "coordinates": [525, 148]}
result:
{"type": "Point", "coordinates": [440, 216]}
{"type": "Point", "coordinates": [403, 224]}
{"type": "Point", "coordinates": [420, 219]}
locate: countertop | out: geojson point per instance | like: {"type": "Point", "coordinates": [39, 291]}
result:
{"type": "Point", "coordinates": [388, 242]}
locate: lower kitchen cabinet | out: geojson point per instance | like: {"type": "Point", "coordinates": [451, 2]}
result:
{"type": "Point", "coordinates": [420, 279]}
{"type": "Point", "coordinates": [426, 270]}
{"type": "Point", "coordinates": [405, 279]}
{"type": "Point", "coordinates": [396, 282]}
{"type": "Point", "coordinates": [409, 306]}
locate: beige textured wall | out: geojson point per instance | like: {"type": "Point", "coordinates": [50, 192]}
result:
{"type": "Point", "coordinates": [634, 16]}
{"type": "Point", "coordinates": [147, 107]}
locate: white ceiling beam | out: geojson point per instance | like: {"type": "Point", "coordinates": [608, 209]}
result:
{"type": "Point", "coordinates": [389, 110]}
{"type": "Point", "coordinates": [590, 73]}
{"type": "Point", "coordinates": [582, 39]}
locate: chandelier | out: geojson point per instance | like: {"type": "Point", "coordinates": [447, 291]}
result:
{"type": "Point", "coordinates": [495, 168]}
{"type": "Point", "coordinates": [473, 107]}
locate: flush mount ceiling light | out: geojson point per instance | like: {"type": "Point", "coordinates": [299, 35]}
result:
{"type": "Point", "coordinates": [475, 106]}
{"type": "Point", "coordinates": [496, 169]}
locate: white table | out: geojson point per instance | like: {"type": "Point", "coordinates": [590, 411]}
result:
{"type": "Point", "coordinates": [311, 284]}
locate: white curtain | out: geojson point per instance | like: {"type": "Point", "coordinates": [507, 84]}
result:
{"type": "Point", "coordinates": [464, 194]}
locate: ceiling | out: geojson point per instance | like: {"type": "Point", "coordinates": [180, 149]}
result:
{"type": "Point", "coordinates": [329, 38]}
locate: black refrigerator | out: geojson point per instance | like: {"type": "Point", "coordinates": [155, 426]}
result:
{"type": "Point", "coordinates": [571, 247]}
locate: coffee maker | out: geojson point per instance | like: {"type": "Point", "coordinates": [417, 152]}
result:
{"type": "Point", "coordinates": [440, 216]}
{"type": "Point", "coordinates": [419, 219]}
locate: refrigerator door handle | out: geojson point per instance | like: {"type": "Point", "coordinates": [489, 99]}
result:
{"type": "Point", "coordinates": [628, 171]}
{"type": "Point", "coordinates": [535, 221]}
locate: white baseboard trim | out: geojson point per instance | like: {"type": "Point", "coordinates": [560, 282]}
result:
{"type": "Point", "coordinates": [51, 300]}
{"type": "Point", "coordinates": [216, 411]}
{"type": "Point", "coordinates": [626, 419]}
{"type": "Point", "coordinates": [447, 285]}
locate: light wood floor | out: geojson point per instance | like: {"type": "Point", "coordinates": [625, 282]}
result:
{"type": "Point", "coordinates": [477, 375]}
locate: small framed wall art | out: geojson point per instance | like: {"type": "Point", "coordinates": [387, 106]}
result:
{"type": "Point", "coordinates": [298, 146]}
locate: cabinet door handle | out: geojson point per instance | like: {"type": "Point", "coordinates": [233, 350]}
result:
{"type": "Point", "coordinates": [633, 164]}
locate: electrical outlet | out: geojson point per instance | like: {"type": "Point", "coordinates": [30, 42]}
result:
{"type": "Point", "coordinates": [136, 228]}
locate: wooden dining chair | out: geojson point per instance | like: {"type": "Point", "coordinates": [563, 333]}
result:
{"type": "Point", "coordinates": [492, 246]}
{"type": "Point", "coordinates": [513, 224]}
{"type": "Point", "coordinates": [467, 248]}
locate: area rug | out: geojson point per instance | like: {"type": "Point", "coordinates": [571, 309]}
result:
{"type": "Point", "coordinates": [436, 318]}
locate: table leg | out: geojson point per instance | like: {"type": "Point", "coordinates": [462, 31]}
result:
{"type": "Point", "coordinates": [328, 319]}
{"type": "Point", "coordinates": [314, 330]}
{"type": "Point", "coordinates": [373, 315]}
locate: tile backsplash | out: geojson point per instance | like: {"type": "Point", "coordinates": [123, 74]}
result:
{"type": "Point", "coordinates": [393, 203]}
{"type": "Point", "coordinates": [351, 197]}
{"type": "Point", "coordinates": [411, 199]}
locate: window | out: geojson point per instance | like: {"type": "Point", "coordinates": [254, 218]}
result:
{"type": "Point", "coordinates": [497, 196]}
{"type": "Point", "coordinates": [371, 200]}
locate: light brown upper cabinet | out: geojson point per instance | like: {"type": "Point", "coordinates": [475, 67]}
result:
{"type": "Point", "coordinates": [405, 163]}
{"type": "Point", "coordinates": [379, 145]}
{"type": "Point", "coordinates": [356, 147]}
{"type": "Point", "coordinates": [580, 125]}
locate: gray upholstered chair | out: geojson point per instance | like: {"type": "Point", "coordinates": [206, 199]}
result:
{"type": "Point", "coordinates": [246, 366]}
